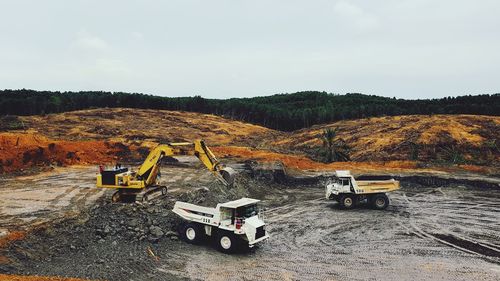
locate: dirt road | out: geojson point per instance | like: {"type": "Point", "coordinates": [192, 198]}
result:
{"type": "Point", "coordinates": [427, 234]}
{"type": "Point", "coordinates": [28, 201]}
{"type": "Point", "coordinates": [32, 200]}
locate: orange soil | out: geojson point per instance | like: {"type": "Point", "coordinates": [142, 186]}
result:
{"type": "Point", "coordinates": [301, 162]}
{"type": "Point", "coordinates": [6, 277]}
{"type": "Point", "coordinates": [11, 236]}
{"type": "Point", "coordinates": [18, 151]}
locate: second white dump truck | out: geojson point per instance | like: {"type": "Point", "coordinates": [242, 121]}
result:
{"type": "Point", "coordinates": [349, 192]}
{"type": "Point", "coordinates": [232, 225]}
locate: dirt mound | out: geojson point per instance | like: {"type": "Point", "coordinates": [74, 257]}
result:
{"type": "Point", "coordinates": [129, 125]}
{"type": "Point", "coordinates": [19, 151]}
{"type": "Point", "coordinates": [448, 138]}
{"type": "Point", "coordinates": [117, 241]}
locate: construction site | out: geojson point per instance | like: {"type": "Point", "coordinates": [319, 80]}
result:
{"type": "Point", "coordinates": [57, 222]}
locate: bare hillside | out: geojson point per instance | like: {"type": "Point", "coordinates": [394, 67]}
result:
{"type": "Point", "coordinates": [107, 135]}
{"type": "Point", "coordinates": [127, 125]}
{"type": "Point", "coordinates": [450, 138]}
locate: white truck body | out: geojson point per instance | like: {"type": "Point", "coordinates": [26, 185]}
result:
{"type": "Point", "coordinates": [248, 224]}
{"type": "Point", "coordinates": [346, 187]}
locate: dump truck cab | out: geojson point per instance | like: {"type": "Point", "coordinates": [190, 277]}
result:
{"type": "Point", "coordinates": [232, 224]}
{"type": "Point", "coordinates": [349, 192]}
{"type": "Point", "coordinates": [343, 183]}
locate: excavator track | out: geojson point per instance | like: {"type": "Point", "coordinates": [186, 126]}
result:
{"type": "Point", "coordinates": [150, 193]}
{"type": "Point", "coordinates": [142, 196]}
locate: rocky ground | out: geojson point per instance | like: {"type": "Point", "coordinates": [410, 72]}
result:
{"type": "Point", "coordinates": [434, 229]}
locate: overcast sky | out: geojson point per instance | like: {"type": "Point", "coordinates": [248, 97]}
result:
{"type": "Point", "coordinates": [236, 48]}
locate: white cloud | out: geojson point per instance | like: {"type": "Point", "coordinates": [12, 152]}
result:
{"type": "Point", "coordinates": [137, 35]}
{"type": "Point", "coordinates": [350, 13]}
{"type": "Point", "coordinates": [87, 41]}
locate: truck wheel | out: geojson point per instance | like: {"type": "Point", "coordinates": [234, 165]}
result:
{"type": "Point", "coordinates": [347, 201]}
{"type": "Point", "coordinates": [192, 233]}
{"type": "Point", "coordinates": [379, 201]}
{"type": "Point", "coordinates": [226, 242]}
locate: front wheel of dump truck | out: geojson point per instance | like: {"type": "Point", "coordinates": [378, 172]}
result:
{"type": "Point", "coordinates": [379, 201]}
{"type": "Point", "coordinates": [226, 242]}
{"type": "Point", "coordinates": [192, 233]}
{"type": "Point", "coordinates": [347, 201]}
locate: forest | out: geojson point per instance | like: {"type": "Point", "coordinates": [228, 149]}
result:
{"type": "Point", "coordinates": [284, 112]}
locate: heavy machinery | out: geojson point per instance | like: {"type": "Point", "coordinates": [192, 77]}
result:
{"type": "Point", "coordinates": [232, 225]}
{"type": "Point", "coordinates": [140, 185]}
{"type": "Point", "coordinates": [349, 192]}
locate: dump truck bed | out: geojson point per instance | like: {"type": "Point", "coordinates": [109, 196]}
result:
{"type": "Point", "coordinates": [377, 186]}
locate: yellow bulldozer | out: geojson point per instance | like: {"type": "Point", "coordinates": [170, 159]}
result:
{"type": "Point", "coordinates": [140, 185]}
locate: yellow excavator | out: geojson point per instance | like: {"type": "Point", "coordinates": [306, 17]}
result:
{"type": "Point", "coordinates": [144, 183]}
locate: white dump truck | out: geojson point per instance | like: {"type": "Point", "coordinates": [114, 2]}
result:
{"type": "Point", "coordinates": [232, 225]}
{"type": "Point", "coordinates": [349, 192]}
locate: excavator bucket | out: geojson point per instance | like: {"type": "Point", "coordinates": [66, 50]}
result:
{"type": "Point", "coordinates": [227, 176]}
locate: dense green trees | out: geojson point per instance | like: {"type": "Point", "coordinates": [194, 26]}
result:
{"type": "Point", "coordinates": [283, 111]}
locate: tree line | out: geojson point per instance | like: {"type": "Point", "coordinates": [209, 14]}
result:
{"type": "Point", "coordinates": [284, 112]}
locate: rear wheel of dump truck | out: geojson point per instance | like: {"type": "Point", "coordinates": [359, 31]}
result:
{"type": "Point", "coordinates": [379, 201]}
{"type": "Point", "coordinates": [226, 242]}
{"type": "Point", "coordinates": [347, 201]}
{"type": "Point", "coordinates": [192, 233]}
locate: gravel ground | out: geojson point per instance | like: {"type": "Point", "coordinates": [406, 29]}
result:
{"type": "Point", "coordinates": [427, 233]}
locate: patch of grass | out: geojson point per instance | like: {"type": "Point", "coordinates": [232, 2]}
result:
{"type": "Point", "coordinates": [10, 122]}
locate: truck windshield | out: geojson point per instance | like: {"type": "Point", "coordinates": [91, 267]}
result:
{"type": "Point", "coordinates": [247, 211]}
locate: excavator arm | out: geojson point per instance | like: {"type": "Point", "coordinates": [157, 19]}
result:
{"type": "Point", "coordinates": [149, 169]}
{"type": "Point", "coordinates": [141, 184]}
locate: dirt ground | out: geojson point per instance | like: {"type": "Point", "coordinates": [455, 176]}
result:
{"type": "Point", "coordinates": [447, 232]}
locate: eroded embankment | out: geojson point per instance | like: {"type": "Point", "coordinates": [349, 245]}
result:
{"type": "Point", "coordinates": [302, 162]}
{"type": "Point", "coordinates": [24, 151]}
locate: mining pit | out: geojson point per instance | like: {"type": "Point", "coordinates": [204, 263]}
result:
{"type": "Point", "coordinates": [445, 231]}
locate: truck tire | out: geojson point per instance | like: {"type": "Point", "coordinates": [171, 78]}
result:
{"type": "Point", "coordinates": [379, 201]}
{"type": "Point", "coordinates": [347, 201]}
{"type": "Point", "coordinates": [226, 242]}
{"type": "Point", "coordinates": [192, 233]}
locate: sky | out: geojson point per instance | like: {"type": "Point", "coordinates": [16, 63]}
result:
{"type": "Point", "coordinates": [235, 48]}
